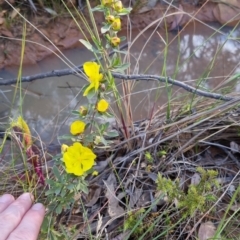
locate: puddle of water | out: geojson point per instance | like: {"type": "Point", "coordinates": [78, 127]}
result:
{"type": "Point", "coordinates": [47, 103]}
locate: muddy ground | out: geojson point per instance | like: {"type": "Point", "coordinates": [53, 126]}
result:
{"type": "Point", "coordinates": [47, 33]}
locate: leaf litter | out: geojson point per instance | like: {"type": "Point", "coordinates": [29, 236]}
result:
{"type": "Point", "coordinates": [126, 188]}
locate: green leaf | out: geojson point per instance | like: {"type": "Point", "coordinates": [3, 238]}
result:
{"type": "Point", "coordinates": [63, 193]}
{"type": "Point", "coordinates": [57, 173]}
{"type": "Point", "coordinates": [58, 209]}
{"type": "Point", "coordinates": [111, 134]}
{"type": "Point", "coordinates": [91, 93]}
{"type": "Point", "coordinates": [75, 112]}
{"type": "Point", "coordinates": [70, 186]}
{"type": "Point", "coordinates": [104, 126]}
{"type": "Point", "coordinates": [65, 137]}
{"type": "Point", "coordinates": [125, 11]}
{"type": "Point", "coordinates": [105, 28]}
{"type": "Point", "coordinates": [115, 60]}
{"type": "Point", "coordinates": [84, 189]}
{"type": "Point", "coordinates": [99, 8]}
{"type": "Point", "coordinates": [50, 191]}
{"type": "Point", "coordinates": [89, 138]}
{"type": "Point", "coordinates": [88, 45]}
{"type": "Point", "coordinates": [121, 68]}
{"type": "Point", "coordinates": [161, 153]}
{"type": "Point", "coordinates": [58, 190]}
{"type": "Point", "coordinates": [50, 182]}
{"type": "Point", "coordinates": [123, 38]}
{"type": "Point", "coordinates": [103, 140]}
{"type": "Point", "coordinates": [119, 51]}
{"type": "Point", "coordinates": [234, 77]}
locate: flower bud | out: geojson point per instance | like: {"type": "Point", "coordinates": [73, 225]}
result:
{"type": "Point", "coordinates": [97, 140]}
{"type": "Point", "coordinates": [83, 110]}
{"type": "Point", "coordinates": [107, 3]}
{"type": "Point", "coordinates": [64, 148]}
{"type": "Point", "coordinates": [116, 25]}
{"type": "Point", "coordinates": [117, 6]}
{"type": "Point", "coordinates": [115, 41]}
{"type": "Point", "coordinates": [103, 87]}
{"type": "Point", "coordinates": [95, 173]}
{"type": "Point", "coordinates": [110, 18]}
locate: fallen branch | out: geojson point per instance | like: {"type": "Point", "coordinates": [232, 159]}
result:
{"type": "Point", "coordinates": [138, 77]}
{"type": "Point", "coordinates": [173, 82]}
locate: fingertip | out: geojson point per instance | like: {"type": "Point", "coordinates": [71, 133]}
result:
{"type": "Point", "coordinates": [6, 198]}
{"type": "Point", "coordinates": [31, 223]}
{"type": "Point", "coordinates": [26, 196]}
{"type": "Point", "coordinates": [38, 207]}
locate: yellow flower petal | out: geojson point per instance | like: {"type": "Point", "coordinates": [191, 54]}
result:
{"type": "Point", "coordinates": [77, 127]}
{"type": "Point", "coordinates": [91, 69]}
{"type": "Point", "coordinates": [91, 86]}
{"type": "Point", "coordinates": [102, 105]}
{"type": "Point", "coordinates": [78, 159]}
{"type": "Point", "coordinates": [96, 85]}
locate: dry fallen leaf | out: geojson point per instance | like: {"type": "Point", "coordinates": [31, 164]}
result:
{"type": "Point", "coordinates": [206, 231]}
{"type": "Point", "coordinates": [177, 18]}
{"type": "Point", "coordinates": [114, 209]}
{"type": "Point", "coordinates": [227, 12]}
{"type": "Point", "coordinates": [93, 195]}
{"type": "Point", "coordinates": [134, 197]}
{"type": "Point", "coordinates": [14, 13]}
{"type": "Point", "coordinates": [6, 33]}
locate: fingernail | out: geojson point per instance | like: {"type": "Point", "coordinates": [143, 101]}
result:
{"type": "Point", "coordinates": [6, 198]}
{"type": "Point", "coordinates": [26, 196]}
{"type": "Point", "coordinates": [37, 206]}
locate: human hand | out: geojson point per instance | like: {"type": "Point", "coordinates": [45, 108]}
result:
{"type": "Point", "coordinates": [19, 220]}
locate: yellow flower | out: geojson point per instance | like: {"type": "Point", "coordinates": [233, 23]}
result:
{"type": "Point", "coordinates": [117, 6]}
{"type": "Point", "coordinates": [115, 41]}
{"type": "Point", "coordinates": [78, 159]}
{"type": "Point", "coordinates": [91, 69]}
{"type": "Point", "coordinates": [64, 148]}
{"type": "Point", "coordinates": [77, 127]}
{"type": "Point", "coordinates": [116, 25]}
{"type": "Point", "coordinates": [102, 105]}
{"type": "Point", "coordinates": [25, 131]}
